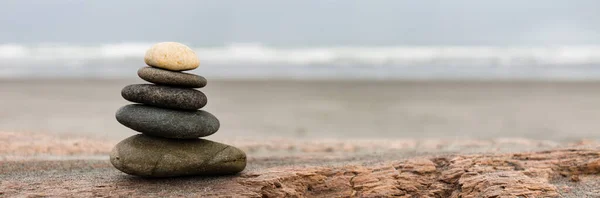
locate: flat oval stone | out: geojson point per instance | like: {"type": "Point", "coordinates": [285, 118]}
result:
{"type": "Point", "coordinates": [164, 96]}
{"type": "Point", "coordinates": [148, 156]}
{"type": "Point", "coordinates": [168, 123]}
{"type": "Point", "coordinates": [166, 77]}
{"type": "Point", "coordinates": [171, 56]}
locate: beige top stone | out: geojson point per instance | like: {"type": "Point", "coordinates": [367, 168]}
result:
{"type": "Point", "coordinates": [172, 56]}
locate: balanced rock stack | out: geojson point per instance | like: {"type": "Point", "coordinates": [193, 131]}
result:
{"type": "Point", "coordinates": [171, 124]}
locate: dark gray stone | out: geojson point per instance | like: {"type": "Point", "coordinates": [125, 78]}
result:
{"type": "Point", "coordinates": [172, 78]}
{"type": "Point", "coordinates": [148, 156]}
{"type": "Point", "coordinates": [164, 96]}
{"type": "Point", "coordinates": [168, 123]}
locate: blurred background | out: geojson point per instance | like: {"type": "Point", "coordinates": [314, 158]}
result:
{"type": "Point", "coordinates": [312, 68]}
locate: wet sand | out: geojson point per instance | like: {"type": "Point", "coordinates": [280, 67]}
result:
{"type": "Point", "coordinates": [556, 111]}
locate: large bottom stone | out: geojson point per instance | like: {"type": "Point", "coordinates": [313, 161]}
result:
{"type": "Point", "coordinates": [148, 156]}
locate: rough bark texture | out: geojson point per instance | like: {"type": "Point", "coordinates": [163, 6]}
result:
{"type": "Point", "coordinates": [554, 172]}
{"type": "Point", "coordinates": [508, 175]}
{"type": "Point", "coordinates": [536, 174]}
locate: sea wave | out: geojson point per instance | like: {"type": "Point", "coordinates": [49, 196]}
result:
{"type": "Point", "coordinates": [260, 54]}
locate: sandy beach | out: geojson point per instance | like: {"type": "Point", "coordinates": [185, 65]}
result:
{"type": "Point", "coordinates": [557, 111]}
{"type": "Point", "coordinates": [318, 133]}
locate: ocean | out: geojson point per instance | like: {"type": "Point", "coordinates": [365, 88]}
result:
{"type": "Point", "coordinates": [260, 61]}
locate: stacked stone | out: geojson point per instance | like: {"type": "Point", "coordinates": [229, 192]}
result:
{"type": "Point", "coordinates": [168, 117]}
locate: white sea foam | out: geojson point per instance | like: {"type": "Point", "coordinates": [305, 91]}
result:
{"type": "Point", "coordinates": [256, 53]}
{"type": "Point", "coordinates": [255, 60]}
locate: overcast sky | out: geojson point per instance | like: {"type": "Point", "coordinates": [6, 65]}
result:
{"type": "Point", "coordinates": [303, 22]}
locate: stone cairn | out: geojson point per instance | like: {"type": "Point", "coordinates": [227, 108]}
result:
{"type": "Point", "coordinates": [169, 121]}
